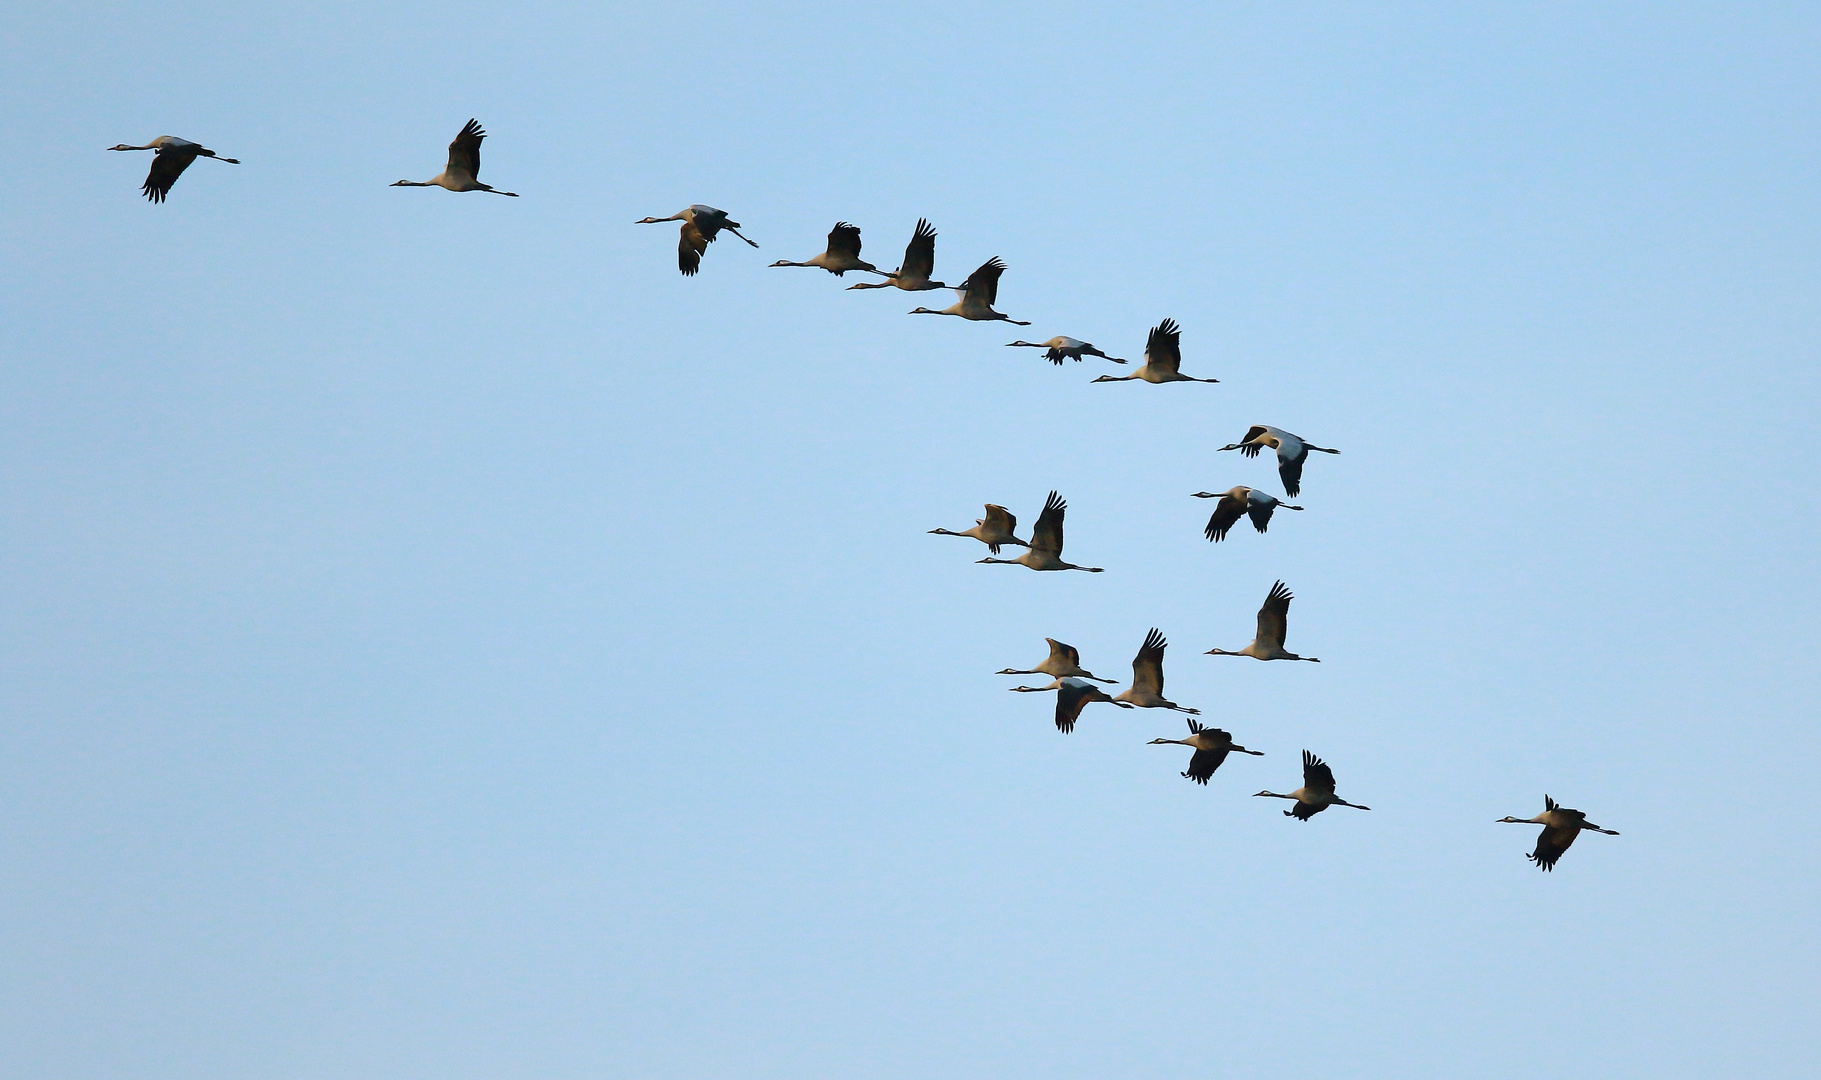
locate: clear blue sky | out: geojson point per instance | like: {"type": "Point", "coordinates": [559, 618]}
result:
{"type": "Point", "coordinates": [438, 641]}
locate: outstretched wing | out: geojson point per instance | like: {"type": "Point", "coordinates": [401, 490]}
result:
{"type": "Point", "coordinates": [690, 246]}
{"type": "Point", "coordinates": [984, 282]}
{"type": "Point", "coordinates": [1067, 654]}
{"type": "Point", "coordinates": [1163, 350]}
{"type": "Point", "coordinates": [1071, 698]}
{"type": "Point", "coordinates": [1203, 764]}
{"type": "Point", "coordinates": [1290, 471]}
{"type": "Point", "coordinates": [1246, 445]}
{"type": "Point", "coordinates": [1550, 844]}
{"type": "Point", "coordinates": [998, 517]}
{"type": "Point", "coordinates": [167, 165]}
{"type": "Point", "coordinates": [920, 253]}
{"type": "Point", "coordinates": [1273, 617]}
{"type": "Point", "coordinates": [1147, 666]}
{"type": "Point", "coordinates": [1316, 774]}
{"type": "Point", "coordinates": [1046, 535]}
{"type": "Point", "coordinates": [1227, 511]}
{"type": "Point", "coordinates": [1260, 513]}
{"type": "Point", "coordinates": [465, 151]}
{"type": "Point", "coordinates": [844, 239]}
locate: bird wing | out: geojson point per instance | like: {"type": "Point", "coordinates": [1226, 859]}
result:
{"type": "Point", "coordinates": [1227, 511]}
{"type": "Point", "coordinates": [1071, 698]}
{"type": "Point", "coordinates": [1046, 535]}
{"type": "Point", "coordinates": [167, 165]}
{"type": "Point", "coordinates": [1163, 350]}
{"type": "Point", "coordinates": [1290, 471]}
{"type": "Point", "coordinates": [1068, 654]}
{"type": "Point", "coordinates": [1147, 666]}
{"type": "Point", "coordinates": [465, 151]}
{"type": "Point", "coordinates": [1550, 844]}
{"type": "Point", "coordinates": [1203, 764]}
{"type": "Point", "coordinates": [1316, 773]}
{"type": "Point", "coordinates": [984, 282]}
{"type": "Point", "coordinates": [920, 253]}
{"type": "Point", "coordinates": [1246, 445]}
{"type": "Point", "coordinates": [844, 239]}
{"type": "Point", "coordinates": [998, 517]}
{"type": "Point", "coordinates": [690, 246]}
{"type": "Point", "coordinates": [1260, 512]}
{"type": "Point", "coordinates": [1273, 617]}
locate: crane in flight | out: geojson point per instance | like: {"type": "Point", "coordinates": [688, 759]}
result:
{"type": "Point", "coordinates": [1273, 619]}
{"type": "Point", "coordinates": [1046, 541]}
{"type": "Point", "coordinates": [843, 253]}
{"type": "Point", "coordinates": [1560, 826]}
{"type": "Point", "coordinates": [913, 274]}
{"type": "Point", "coordinates": [463, 171]}
{"type": "Point", "coordinates": [1064, 662]}
{"type": "Point", "coordinates": [978, 295]}
{"type": "Point", "coordinates": [996, 528]}
{"type": "Point", "coordinates": [1146, 690]}
{"type": "Point", "coordinates": [1211, 746]}
{"type": "Point", "coordinates": [1236, 503]}
{"type": "Point", "coordinates": [1162, 358]}
{"type": "Point", "coordinates": [1316, 794]}
{"type": "Point", "coordinates": [1292, 451]}
{"type": "Point", "coordinates": [701, 224]}
{"type": "Point", "coordinates": [1062, 348]}
{"type": "Point", "coordinates": [174, 155]}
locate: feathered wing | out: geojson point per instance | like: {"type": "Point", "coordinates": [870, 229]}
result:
{"type": "Point", "coordinates": [1316, 774]}
{"type": "Point", "coordinates": [167, 166]}
{"type": "Point", "coordinates": [1260, 513]}
{"type": "Point", "coordinates": [1046, 535]}
{"type": "Point", "coordinates": [920, 253]}
{"type": "Point", "coordinates": [984, 282]}
{"type": "Point", "coordinates": [1227, 511]}
{"type": "Point", "coordinates": [1067, 654]}
{"type": "Point", "coordinates": [1163, 349]}
{"type": "Point", "coordinates": [998, 517]}
{"type": "Point", "coordinates": [1290, 471]}
{"type": "Point", "coordinates": [465, 151]}
{"type": "Point", "coordinates": [1071, 698]}
{"type": "Point", "coordinates": [1273, 617]}
{"type": "Point", "coordinates": [1246, 445]}
{"type": "Point", "coordinates": [690, 246]}
{"type": "Point", "coordinates": [1203, 763]}
{"type": "Point", "coordinates": [1147, 666]}
{"type": "Point", "coordinates": [1550, 844]}
{"type": "Point", "coordinates": [844, 239]}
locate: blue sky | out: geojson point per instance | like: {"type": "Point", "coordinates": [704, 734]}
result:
{"type": "Point", "coordinates": [441, 641]}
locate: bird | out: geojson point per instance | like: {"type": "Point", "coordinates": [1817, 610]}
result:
{"type": "Point", "coordinates": [1212, 746]}
{"type": "Point", "coordinates": [843, 252]}
{"type": "Point", "coordinates": [1317, 792]}
{"type": "Point", "coordinates": [1063, 662]}
{"type": "Point", "coordinates": [994, 529]}
{"type": "Point", "coordinates": [913, 274]}
{"type": "Point", "coordinates": [978, 294]}
{"type": "Point", "coordinates": [1146, 690]}
{"type": "Point", "coordinates": [1064, 348]}
{"type": "Point", "coordinates": [174, 155]}
{"type": "Point", "coordinates": [1268, 644]}
{"type": "Point", "coordinates": [1162, 358]}
{"type": "Point", "coordinates": [464, 168]}
{"type": "Point", "coordinates": [1074, 695]}
{"type": "Point", "coordinates": [1292, 451]}
{"type": "Point", "coordinates": [1236, 503]}
{"type": "Point", "coordinates": [1560, 826]}
{"type": "Point", "coordinates": [1046, 541]}
{"type": "Point", "coordinates": [701, 224]}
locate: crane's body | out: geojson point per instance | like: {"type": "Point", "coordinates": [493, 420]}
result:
{"type": "Point", "coordinates": [1062, 348]}
{"type": "Point", "coordinates": [842, 255]}
{"type": "Point", "coordinates": [1211, 746]}
{"type": "Point", "coordinates": [1292, 451]}
{"type": "Point", "coordinates": [993, 530]}
{"type": "Point", "coordinates": [1560, 826]}
{"type": "Point", "coordinates": [1046, 541]}
{"type": "Point", "coordinates": [1162, 358]}
{"type": "Point", "coordinates": [1316, 794]}
{"type": "Point", "coordinates": [174, 155]}
{"type": "Point", "coordinates": [1064, 662]}
{"type": "Point", "coordinates": [463, 171]}
{"type": "Point", "coordinates": [1074, 695]}
{"type": "Point", "coordinates": [1239, 502]}
{"type": "Point", "coordinates": [1273, 623]}
{"type": "Point", "coordinates": [913, 274]}
{"type": "Point", "coordinates": [701, 224]}
{"type": "Point", "coordinates": [978, 295]}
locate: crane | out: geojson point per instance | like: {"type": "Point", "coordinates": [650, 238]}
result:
{"type": "Point", "coordinates": [1063, 662]}
{"type": "Point", "coordinates": [1292, 451]}
{"type": "Point", "coordinates": [913, 274]}
{"type": "Point", "coordinates": [1046, 541]}
{"type": "Point", "coordinates": [1162, 358]}
{"type": "Point", "coordinates": [701, 224]}
{"type": "Point", "coordinates": [843, 252]}
{"type": "Point", "coordinates": [994, 529]}
{"type": "Point", "coordinates": [1239, 502]}
{"type": "Point", "coordinates": [464, 168]}
{"type": "Point", "coordinates": [1560, 826]}
{"type": "Point", "coordinates": [978, 295]}
{"type": "Point", "coordinates": [1317, 792]}
{"type": "Point", "coordinates": [1273, 617]}
{"type": "Point", "coordinates": [174, 155]}
{"type": "Point", "coordinates": [1146, 690]}
{"type": "Point", "coordinates": [1211, 745]}
{"type": "Point", "coordinates": [1064, 348]}
{"type": "Point", "coordinates": [1074, 695]}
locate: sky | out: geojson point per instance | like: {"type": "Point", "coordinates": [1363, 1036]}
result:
{"type": "Point", "coordinates": [438, 640]}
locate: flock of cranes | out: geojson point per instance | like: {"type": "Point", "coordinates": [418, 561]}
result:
{"type": "Point", "coordinates": [1075, 687]}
